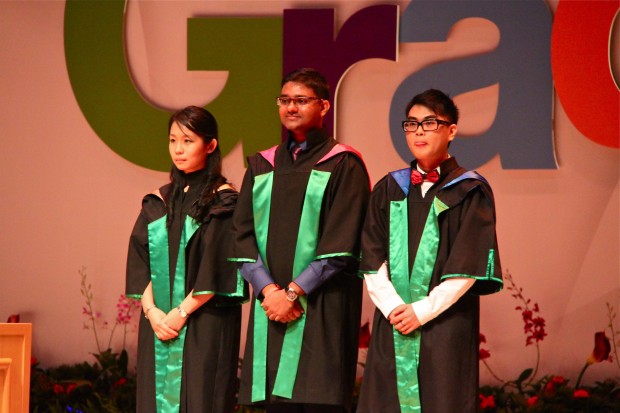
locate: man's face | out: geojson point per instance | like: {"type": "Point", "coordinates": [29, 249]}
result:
{"type": "Point", "coordinates": [302, 118]}
{"type": "Point", "coordinates": [429, 148]}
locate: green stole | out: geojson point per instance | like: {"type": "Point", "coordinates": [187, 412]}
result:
{"type": "Point", "coordinates": [414, 287]}
{"type": "Point", "coordinates": [305, 251]}
{"type": "Point", "coordinates": [168, 354]}
{"type": "Point", "coordinates": [411, 288]}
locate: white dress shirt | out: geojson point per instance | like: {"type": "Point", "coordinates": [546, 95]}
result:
{"type": "Point", "coordinates": [385, 297]}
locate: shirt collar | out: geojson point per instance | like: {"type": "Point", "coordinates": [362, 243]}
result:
{"type": "Point", "coordinates": [313, 138]}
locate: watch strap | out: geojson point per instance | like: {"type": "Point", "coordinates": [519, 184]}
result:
{"type": "Point", "coordinates": [182, 312]}
{"type": "Point", "coordinates": [291, 294]}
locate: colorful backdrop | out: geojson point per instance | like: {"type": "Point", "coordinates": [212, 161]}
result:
{"type": "Point", "coordinates": [86, 89]}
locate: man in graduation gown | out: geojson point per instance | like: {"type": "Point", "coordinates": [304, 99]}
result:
{"type": "Point", "coordinates": [297, 227]}
{"type": "Point", "coordinates": [429, 250]}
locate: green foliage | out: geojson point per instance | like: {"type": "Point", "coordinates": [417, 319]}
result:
{"type": "Point", "coordinates": [552, 394]}
{"type": "Point", "coordinates": [549, 394]}
{"type": "Point", "coordinates": [104, 386]}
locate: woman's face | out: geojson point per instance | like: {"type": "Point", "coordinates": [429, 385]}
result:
{"type": "Point", "coordinates": [188, 150]}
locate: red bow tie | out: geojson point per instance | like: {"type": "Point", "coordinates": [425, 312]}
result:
{"type": "Point", "coordinates": [418, 178]}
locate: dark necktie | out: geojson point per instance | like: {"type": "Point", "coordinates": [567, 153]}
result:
{"type": "Point", "coordinates": [295, 150]}
{"type": "Point", "coordinates": [418, 178]}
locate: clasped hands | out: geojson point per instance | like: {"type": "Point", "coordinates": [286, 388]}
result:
{"type": "Point", "coordinates": [277, 307]}
{"type": "Point", "coordinates": [404, 319]}
{"type": "Point", "coordinates": [166, 326]}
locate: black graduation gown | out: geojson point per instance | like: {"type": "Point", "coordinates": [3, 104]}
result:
{"type": "Point", "coordinates": [448, 368]}
{"type": "Point", "coordinates": [327, 366]}
{"type": "Point", "coordinates": [211, 347]}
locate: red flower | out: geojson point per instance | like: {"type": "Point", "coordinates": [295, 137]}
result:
{"type": "Point", "coordinates": [558, 379]}
{"type": "Point", "coordinates": [554, 381]}
{"type": "Point", "coordinates": [487, 401]}
{"type": "Point", "coordinates": [538, 323]}
{"type": "Point", "coordinates": [539, 335]}
{"type": "Point", "coordinates": [125, 307]}
{"type": "Point", "coordinates": [601, 348]}
{"type": "Point", "coordinates": [120, 382]}
{"type": "Point", "coordinates": [483, 353]}
{"type": "Point", "coordinates": [600, 353]}
{"type": "Point", "coordinates": [13, 318]}
{"type": "Point", "coordinates": [58, 389]}
{"type": "Point", "coordinates": [71, 387]}
{"type": "Point", "coordinates": [364, 339]}
{"type": "Point", "coordinates": [532, 401]}
{"type": "Point", "coordinates": [549, 387]}
{"type": "Point", "coordinates": [581, 394]}
{"type": "Point", "coordinates": [533, 326]}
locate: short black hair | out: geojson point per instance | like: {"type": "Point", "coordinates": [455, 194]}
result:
{"type": "Point", "coordinates": [438, 102]}
{"type": "Point", "coordinates": [310, 78]}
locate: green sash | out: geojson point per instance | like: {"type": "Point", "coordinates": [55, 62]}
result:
{"type": "Point", "coordinates": [305, 252]}
{"type": "Point", "coordinates": [168, 354]}
{"type": "Point", "coordinates": [411, 288]}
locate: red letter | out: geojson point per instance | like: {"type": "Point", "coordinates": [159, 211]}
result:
{"type": "Point", "coordinates": [581, 68]}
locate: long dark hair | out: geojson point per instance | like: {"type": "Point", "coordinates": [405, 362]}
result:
{"type": "Point", "coordinates": [202, 123]}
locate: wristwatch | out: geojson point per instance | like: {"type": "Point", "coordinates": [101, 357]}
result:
{"type": "Point", "coordinates": [182, 312]}
{"type": "Point", "coordinates": [291, 294]}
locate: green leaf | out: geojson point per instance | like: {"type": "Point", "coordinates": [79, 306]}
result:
{"type": "Point", "coordinates": [524, 375]}
{"type": "Point", "coordinates": [123, 361]}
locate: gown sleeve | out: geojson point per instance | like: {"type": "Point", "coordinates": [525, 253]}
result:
{"type": "Point", "coordinates": [138, 274]}
{"type": "Point", "coordinates": [376, 232]}
{"type": "Point", "coordinates": [208, 257]}
{"type": "Point", "coordinates": [244, 246]}
{"type": "Point", "coordinates": [474, 252]}
{"type": "Point", "coordinates": [138, 267]}
{"type": "Point", "coordinates": [345, 208]}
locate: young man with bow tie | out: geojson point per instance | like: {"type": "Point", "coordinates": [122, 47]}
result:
{"type": "Point", "coordinates": [429, 249]}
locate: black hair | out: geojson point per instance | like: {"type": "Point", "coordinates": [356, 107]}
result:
{"type": "Point", "coordinates": [438, 102]}
{"type": "Point", "coordinates": [310, 78]}
{"type": "Point", "coordinates": [202, 123]}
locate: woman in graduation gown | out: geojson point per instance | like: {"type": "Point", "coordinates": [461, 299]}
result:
{"type": "Point", "coordinates": [188, 345]}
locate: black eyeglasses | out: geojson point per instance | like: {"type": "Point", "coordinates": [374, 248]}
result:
{"type": "Point", "coordinates": [428, 125]}
{"type": "Point", "coordinates": [297, 101]}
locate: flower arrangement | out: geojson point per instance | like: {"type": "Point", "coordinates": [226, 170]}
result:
{"type": "Point", "coordinates": [108, 386]}
{"type": "Point", "coordinates": [534, 329]}
{"type": "Point", "coordinates": [615, 334]}
{"type": "Point", "coordinates": [550, 393]}
{"type": "Point", "coordinates": [103, 386]}
{"type": "Point", "coordinates": [125, 309]}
